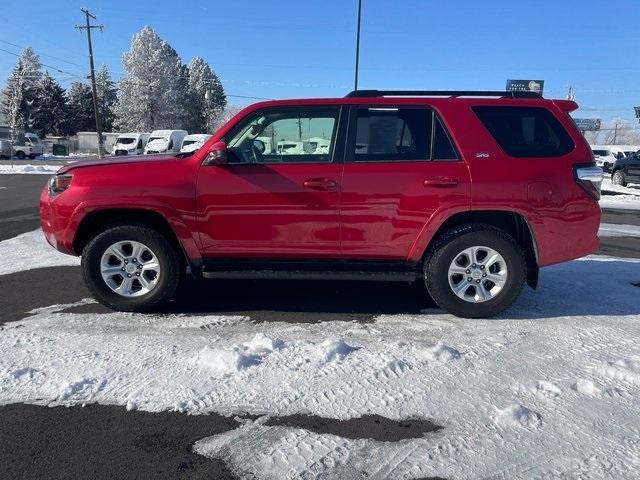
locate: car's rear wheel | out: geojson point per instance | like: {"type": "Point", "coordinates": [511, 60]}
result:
{"type": "Point", "coordinates": [475, 271]}
{"type": "Point", "coordinates": [131, 268]}
{"type": "Point", "coordinates": [619, 178]}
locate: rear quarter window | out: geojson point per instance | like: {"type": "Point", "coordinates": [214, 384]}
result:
{"type": "Point", "coordinates": [525, 131]}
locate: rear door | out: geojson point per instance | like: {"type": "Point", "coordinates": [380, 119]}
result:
{"type": "Point", "coordinates": [401, 168]}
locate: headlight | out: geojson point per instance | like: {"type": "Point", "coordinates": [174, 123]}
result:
{"type": "Point", "coordinates": [59, 183]}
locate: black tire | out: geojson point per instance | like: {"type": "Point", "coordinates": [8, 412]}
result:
{"type": "Point", "coordinates": [449, 246]}
{"type": "Point", "coordinates": [20, 155]}
{"type": "Point", "coordinates": [618, 178]}
{"type": "Point", "coordinates": [167, 255]}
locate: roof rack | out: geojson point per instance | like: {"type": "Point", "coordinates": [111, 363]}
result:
{"type": "Point", "coordinates": [442, 93]}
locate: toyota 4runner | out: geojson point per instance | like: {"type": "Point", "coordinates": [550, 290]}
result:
{"type": "Point", "coordinates": [469, 192]}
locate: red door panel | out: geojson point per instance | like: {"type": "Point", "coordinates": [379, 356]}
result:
{"type": "Point", "coordinates": [272, 210]}
{"type": "Point", "coordinates": [385, 206]}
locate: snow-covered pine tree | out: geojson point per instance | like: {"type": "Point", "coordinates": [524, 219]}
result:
{"type": "Point", "coordinates": [21, 91]}
{"type": "Point", "coordinates": [207, 93]}
{"type": "Point", "coordinates": [107, 97]}
{"type": "Point", "coordinates": [51, 113]}
{"type": "Point", "coordinates": [80, 107]}
{"type": "Point", "coordinates": [152, 93]}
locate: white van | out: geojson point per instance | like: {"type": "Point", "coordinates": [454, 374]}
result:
{"type": "Point", "coordinates": [28, 145]}
{"type": "Point", "coordinates": [193, 142]}
{"type": "Point", "coordinates": [165, 141]}
{"type": "Point", "coordinates": [132, 143]}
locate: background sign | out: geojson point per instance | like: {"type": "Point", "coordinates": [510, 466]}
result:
{"type": "Point", "coordinates": [525, 86]}
{"type": "Point", "coordinates": [588, 124]}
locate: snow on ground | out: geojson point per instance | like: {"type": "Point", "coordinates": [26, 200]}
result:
{"type": "Point", "coordinates": [630, 189]}
{"type": "Point", "coordinates": [32, 169]}
{"type": "Point", "coordinates": [626, 198]}
{"type": "Point", "coordinates": [548, 390]}
{"type": "Point", "coordinates": [618, 230]}
{"type": "Point", "coordinates": [31, 250]}
{"type": "Point", "coordinates": [622, 202]}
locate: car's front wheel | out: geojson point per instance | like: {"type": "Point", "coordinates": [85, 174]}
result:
{"type": "Point", "coordinates": [619, 178]}
{"type": "Point", "coordinates": [131, 268]}
{"type": "Point", "coordinates": [475, 271]}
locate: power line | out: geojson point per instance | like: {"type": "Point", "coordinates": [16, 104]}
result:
{"type": "Point", "coordinates": [44, 64]}
{"type": "Point", "coordinates": [44, 54]}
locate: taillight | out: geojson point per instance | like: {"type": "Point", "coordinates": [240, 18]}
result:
{"type": "Point", "coordinates": [59, 183]}
{"type": "Point", "coordinates": [589, 177]}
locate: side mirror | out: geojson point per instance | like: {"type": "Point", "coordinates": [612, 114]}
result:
{"type": "Point", "coordinates": [217, 154]}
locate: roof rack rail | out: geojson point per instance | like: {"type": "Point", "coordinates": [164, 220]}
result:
{"type": "Point", "coordinates": [442, 93]}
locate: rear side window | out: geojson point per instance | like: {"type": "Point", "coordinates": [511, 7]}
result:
{"type": "Point", "coordinates": [526, 131]}
{"type": "Point", "coordinates": [400, 134]}
{"type": "Point", "coordinates": [601, 153]}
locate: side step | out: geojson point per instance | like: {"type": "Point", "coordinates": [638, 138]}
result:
{"type": "Point", "coordinates": [311, 270]}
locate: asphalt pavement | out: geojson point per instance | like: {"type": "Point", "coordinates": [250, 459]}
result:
{"type": "Point", "coordinates": [100, 441]}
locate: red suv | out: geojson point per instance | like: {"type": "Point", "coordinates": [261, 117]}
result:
{"type": "Point", "coordinates": [470, 192]}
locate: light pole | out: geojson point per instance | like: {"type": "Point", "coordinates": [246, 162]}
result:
{"type": "Point", "coordinates": [358, 43]}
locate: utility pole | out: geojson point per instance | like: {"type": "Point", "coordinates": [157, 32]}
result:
{"type": "Point", "coordinates": [358, 44]}
{"type": "Point", "coordinates": [571, 93]}
{"type": "Point", "coordinates": [94, 90]}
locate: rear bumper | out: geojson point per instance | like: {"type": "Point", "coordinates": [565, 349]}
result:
{"type": "Point", "coordinates": [572, 235]}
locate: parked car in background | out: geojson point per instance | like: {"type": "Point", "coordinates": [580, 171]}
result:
{"type": "Point", "coordinates": [193, 142]}
{"type": "Point", "coordinates": [606, 155]}
{"type": "Point", "coordinates": [414, 187]}
{"type": "Point", "coordinates": [132, 143]}
{"type": "Point", "coordinates": [28, 145]}
{"type": "Point", "coordinates": [631, 149]}
{"type": "Point", "coordinates": [626, 170]}
{"type": "Point", "coordinates": [5, 149]}
{"type": "Point", "coordinates": [165, 141]}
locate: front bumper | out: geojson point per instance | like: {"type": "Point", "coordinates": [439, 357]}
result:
{"type": "Point", "coordinates": [55, 220]}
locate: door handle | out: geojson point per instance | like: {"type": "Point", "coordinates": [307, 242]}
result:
{"type": "Point", "coordinates": [441, 182]}
{"type": "Point", "coordinates": [325, 184]}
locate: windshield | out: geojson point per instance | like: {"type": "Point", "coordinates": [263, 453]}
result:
{"type": "Point", "coordinates": [33, 139]}
{"type": "Point", "coordinates": [155, 139]}
{"type": "Point", "coordinates": [126, 140]}
{"type": "Point", "coordinates": [189, 142]}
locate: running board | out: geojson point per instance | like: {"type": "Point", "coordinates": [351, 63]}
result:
{"type": "Point", "coordinates": [311, 270]}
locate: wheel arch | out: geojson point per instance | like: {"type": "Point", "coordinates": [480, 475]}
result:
{"type": "Point", "coordinates": [509, 221]}
{"type": "Point", "coordinates": [100, 219]}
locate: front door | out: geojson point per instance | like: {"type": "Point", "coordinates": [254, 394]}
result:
{"type": "Point", "coordinates": [278, 194]}
{"type": "Point", "coordinates": [400, 169]}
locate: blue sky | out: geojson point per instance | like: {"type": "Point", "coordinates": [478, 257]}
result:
{"type": "Point", "coordinates": [288, 48]}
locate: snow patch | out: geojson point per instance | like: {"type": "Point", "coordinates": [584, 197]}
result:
{"type": "Point", "coordinates": [547, 389]}
{"type": "Point", "coordinates": [334, 350]}
{"type": "Point", "coordinates": [616, 230]}
{"type": "Point", "coordinates": [28, 169]}
{"type": "Point", "coordinates": [31, 250]}
{"type": "Point", "coordinates": [518, 416]}
{"type": "Point", "coordinates": [225, 361]}
{"type": "Point", "coordinates": [440, 353]}
{"type": "Point", "coordinates": [627, 370]}
{"type": "Point", "coordinates": [586, 387]}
